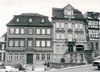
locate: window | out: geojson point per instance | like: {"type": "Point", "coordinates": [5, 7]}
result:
{"type": "Point", "coordinates": [11, 31]}
{"type": "Point", "coordinates": [43, 31]}
{"type": "Point", "coordinates": [30, 31]}
{"type": "Point", "coordinates": [81, 26]}
{"type": "Point", "coordinates": [10, 56]}
{"type": "Point", "coordinates": [21, 56]}
{"type": "Point", "coordinates": [0, 56]}
{"type": "Point", "coordinates": [16, 56]}
{"type": "Point", "coordinates": [17, 20]}
{"type": "Point", "coordinates": [37, 56]}
{"type": "Point", "coordinates": [48, 31]}
{"type": "Point", "coordinates": [62, 36]}
{"type": "Point", "coordinates": [10, 43]}
{"type": "Point", "coordinates": [76, 26]}
{"type": "Point", "coordinates": [42, 20]}
{"type": "Point", "coordinates": [21, 43]}
{"type": "Point", "coordinates": [17, 31]}
{"type": "Point", "coordinates": [58, 36]}
{"type": "Point", "coordinates": [43, 43]}
{"type": "Point", "coordinates": [48, 43]}
{"type": "Point", "coordinates": [30, 43]}
{"type": "Point", "coordinates": [16, 43]}
{"type": "Point", "coordinates": [22, 31]}
{"type": "Point", "coordinates": [69, 37]}
{"type": "Point", "coordinates": [68, 12]}
{"type": "Point", "coordinates": [43, 57]}
{"type": "Point", "coordinates": [96, 46]}
{"type": "Point", "coordinates": [0, 47]}
{"type": "Point", "coordinates": [69, 25]}
{"type": "Point", "coordinates": [37, 43]}
{"type": "Point", "coordinates": [92, 46]}
{"type": "Point", "coordinates": [30, 20]}
{"type": "Point", "coordinates": [57, 25]}
{"type": "Point", "coordinates": [48, 56]}
{"type": "Point", "coordinates": [37, 31]}
{"type": "Point", "coordinates": [62, 25]}
{"type": "Point", "coordinates": [89, 22]}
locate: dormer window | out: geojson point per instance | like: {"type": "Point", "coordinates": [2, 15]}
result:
{"type": "Point", "coordinates": [17, 20]}
{"type": "Point", "coordinates": [42, 20]}
{"type": "Point", "coordinates": [69, 12]}
{"type": "Point", "coordinates": [30, 20]}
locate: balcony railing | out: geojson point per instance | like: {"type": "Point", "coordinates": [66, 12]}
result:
{"type": "Point", "coordinates": [60, 30]}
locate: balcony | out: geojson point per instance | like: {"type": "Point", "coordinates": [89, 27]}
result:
{"type": "Point", "coordinates": [69, 30]}
{"type": "Point", "coordinates": [79, 30]}
{"type": "Point", "coordinates": [60, 30]}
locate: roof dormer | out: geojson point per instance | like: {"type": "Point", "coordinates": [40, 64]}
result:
{"type": "Point", "coordinates": [68, 11]}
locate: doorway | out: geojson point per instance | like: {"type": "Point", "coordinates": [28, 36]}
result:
{"type": "Point", "coordinates": [29, 59]}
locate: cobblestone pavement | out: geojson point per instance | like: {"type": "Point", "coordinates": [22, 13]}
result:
{"type": "Point", "coordinates": [84, 68]}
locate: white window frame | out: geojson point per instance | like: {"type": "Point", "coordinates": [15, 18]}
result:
{"type": "Point", "coordinates": [42, 56]}
{"type": "Point", "coordinates": [48, 57]}
{"type": "Point", "coordinates": [21, 43]}
{"type": "Point", "coordinates": [30, 19]}
{"type": "Point", "coordinates": [22, 31]}
{"type": "Point", "coordinates": [11, 30]}
{"type": "Point", "coordinates": [38, 31]}
{"type": "Point", "coordinates": [17, 20]}
{"type": "Point", "coordinates": [43, 31]}
{"type": "Point", "coordinates": [70, 25]}
{"type": "Point", "coordinates": [16, 44]}
{"type": "Point", "coordinates": [10, 57]}
{"type": "Point", "coordinates": [48, 43]}
{"type": "Point", "coordinates": [43, 43]}
{"type": "Point", "coordinates": [17, 31]}
{"type": "Point", "coordinates": [57, 25]}
{"type": "Point", "coordinates": [62, 25]}
{"type": "Point", "coordinates": [37, 43]}
{"type": "Point", "coordinates": [30, 31]}
{"type": "Point", "coordinates": [57, 35]}
{"type": "Point", "coordinates": [30, 43]}
{"type": "Point", "coordinates": [37, 56]}
{"type": "Point", "coordinates": [48, 31]}
{"type": "Point", "coordinates": [11, 43]}
{"type": "Point", "coordinates": [62, 35]}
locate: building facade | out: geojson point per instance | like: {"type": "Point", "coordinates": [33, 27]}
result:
{"type": "Point", "coordinates": [29, 40]}
{"type": "Point", "coordinates": [69, 35]}
{"type": "Point", "coordinates": [93, 31]}
{"type": "Point", "coordinates": [2, 49]}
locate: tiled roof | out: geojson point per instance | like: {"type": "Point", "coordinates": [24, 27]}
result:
{"type": "Point", "coordinates": [92, 15]}
{"type": "Point", "coordinates": [37, 20]}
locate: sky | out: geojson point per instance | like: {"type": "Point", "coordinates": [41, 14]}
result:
{"type": "Point", "coordinates": [9, 8]}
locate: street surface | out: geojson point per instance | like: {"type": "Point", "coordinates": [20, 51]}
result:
{"type": "Point", "coordinates": [85, 68]}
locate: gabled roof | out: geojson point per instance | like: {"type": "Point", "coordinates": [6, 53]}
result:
{"type": "Point", "coordinates": [59, 12]}
{"type": "Point", "coordinates": [92, 15]}
{"type": "Point", "coordinates": [38, 20]}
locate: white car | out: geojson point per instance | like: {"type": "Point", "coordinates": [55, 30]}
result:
{"type": "Point", "coordinates": [9, 69]}
{"type": "Point", "coordinates": [96, 62]}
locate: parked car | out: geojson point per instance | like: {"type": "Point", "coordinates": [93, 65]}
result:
{"type": "Point", "coordinates": [96, 62]}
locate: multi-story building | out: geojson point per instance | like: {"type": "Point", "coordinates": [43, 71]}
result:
{"type": "Point", "coordinates": [2, 49]}
{"type": "Point", "coordinates": [69, 35]}
{"type": "Point", "coordinates": [93, 31]}
{"type": "Point", "coordinates": [29, 39]}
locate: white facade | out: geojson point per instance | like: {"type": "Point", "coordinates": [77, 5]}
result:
{"type": "Point", "coordinates": [69, 30]}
